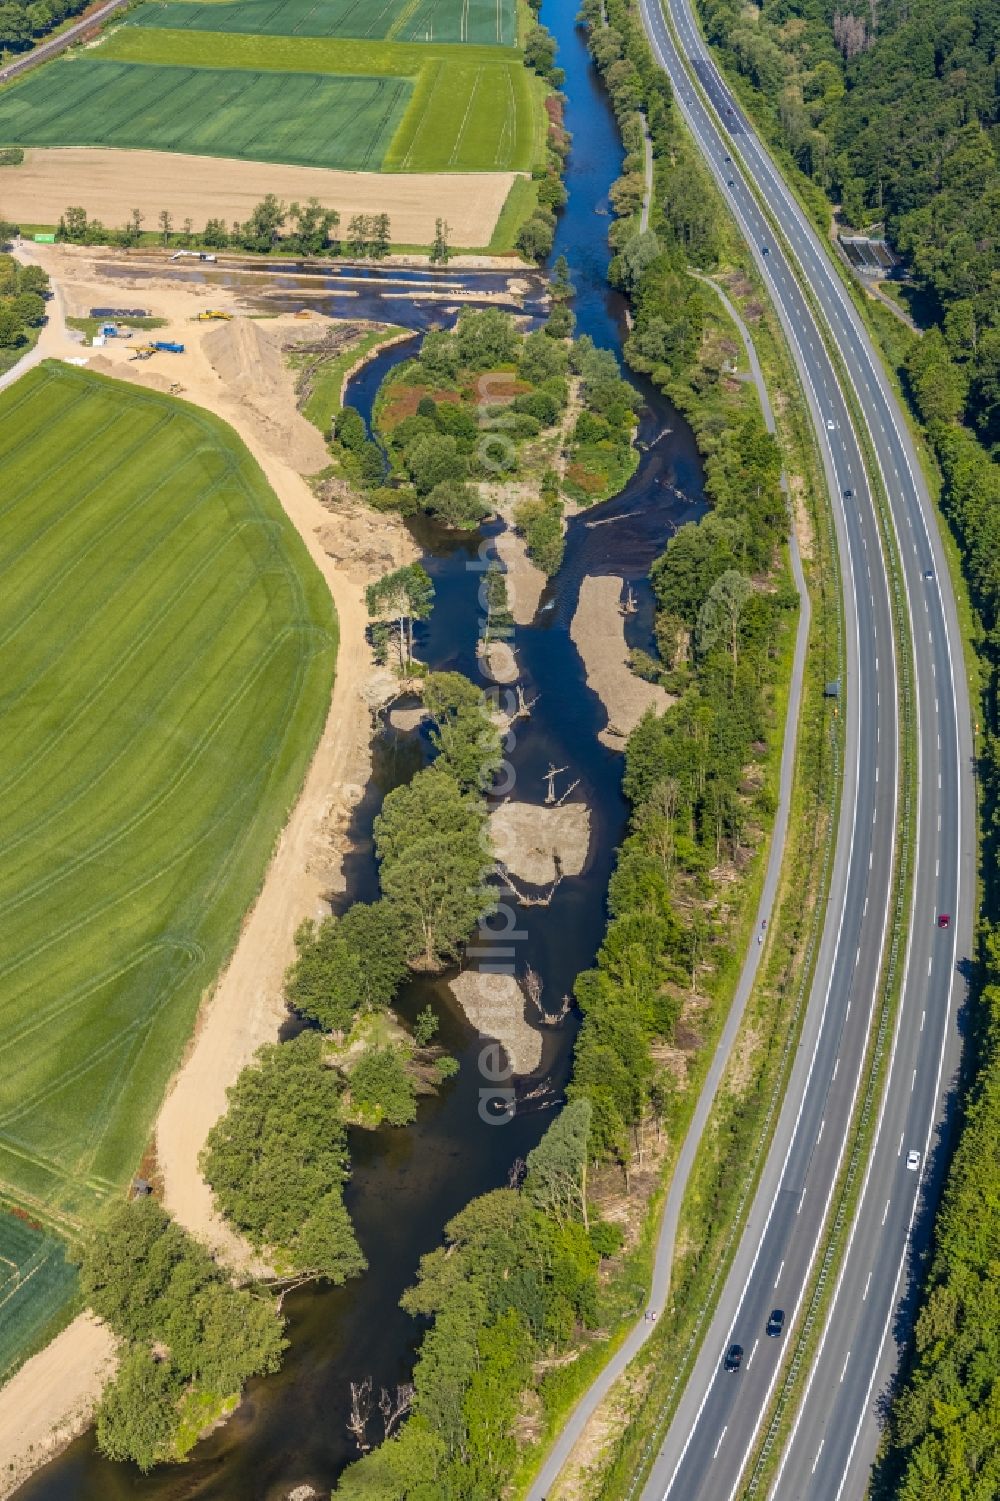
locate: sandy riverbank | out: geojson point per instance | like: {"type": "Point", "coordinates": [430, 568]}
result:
{"type": "Point", "coordinates": [536, 843]}
{"type": "Point", "coordinates": [598, 633]}
{"type": "Point", "coordinates": [494, 1004]}
{"type": "Point", "coordinates": [52, 1398]}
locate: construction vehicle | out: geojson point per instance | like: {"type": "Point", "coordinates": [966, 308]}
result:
{"type": "Point", "coordinates": [143, 351]}
{"type": "Point", "coordinates": [167, 346]}
{"type": "Point", "coordinates": [209, 313]}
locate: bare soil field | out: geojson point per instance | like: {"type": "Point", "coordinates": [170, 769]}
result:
{"type": "Point", "coordinates": [109, 184]}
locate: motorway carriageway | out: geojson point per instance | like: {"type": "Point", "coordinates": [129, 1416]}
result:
{"type": "Point", "coordinates": [720, 1416]}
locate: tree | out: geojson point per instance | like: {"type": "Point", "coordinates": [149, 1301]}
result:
{"type": "Point", "coordinates": [560, 322]}
{"type": "Point", "coordinates": [359, 235]}
{"type": "Point", "coordinates": [349, 429]}
{"type": "Point", "coordinates": [561, 286]}
{"type": "Point", "coordinates": [382, 1088]}
{"type": "Point", "coordinates": [12, 334]}
{"type": "Point", "coordinates": [435, 459]}
{"type": "Point", "coordinates": [557, 1168]}
{"type": "Point", "coordinates": [434, 861]}
{"type": "Point", "coordinates": [381, 237]}
{"type": "Point", "coordinates": [29, 309]}
{"type": "Point", "coordinates": [313, 227]}
{"type": "Point", "coordinates": [73, 225]}
{"type": "Point", "coordinates": [406, 594]}
{"type": "Point", "coordinates": [166, 226]}
{"type": "Point", "coordinates": [137, 1417]}
{"type": "Point", "coordinates": [493, 597]}
{"type": "Point", "coordinates": [33, 279]}
{"type": "Point", "coordinates": [440, 252]}
{"type": "Point", "coordinates": [262, 230]}
{"type": "Point", "coordinates": [721, 616]}
{"type": "Point", "coordinates": [8, 232]}
{"type": "Point", "coordinates": [215, 234]}
{"type": "Point", "coordinates": [347, 965]}
{"type": "Point", "coordinates": [463, 732]}
{"type": "Point", "coordinates": [278, 1157]}
{"type": "Point", "coordinates": [457, 505]}
{"type": "Point", "coordinates": [485, 338]}
{"type": "Point", "coordinates": [425, 1027]}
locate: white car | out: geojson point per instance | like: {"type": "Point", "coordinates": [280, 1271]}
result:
{"type": "Point", "coordinates": [913, 1161]}
{"type": "Point", "coordinates": [830, 424]}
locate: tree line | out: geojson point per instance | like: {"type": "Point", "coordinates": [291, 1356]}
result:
{"type": "Point", "coordinates": [293, 228]}
{"type": "Point", "coordinates": [23, 23]}
{"type": "Point", "coordinates": [23, 294]}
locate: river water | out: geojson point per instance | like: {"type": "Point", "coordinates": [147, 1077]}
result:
{"type": "Point", "coordinates": [290, 1429]}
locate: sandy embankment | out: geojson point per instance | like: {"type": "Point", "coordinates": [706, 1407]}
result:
{"type": "Point", "coordinates": [598, 633]}
{"type": "Point", "coordinates": [109, 184]}
{"type": "Point", "coordinates": [494, 1005]}
{"type": "Point", "coordinates": [55, 1393]}
{"type": "Point", "coordinates": [535, 843]}
{"type": "Point", "coordinates": [525, 580]}
{"type": "Point", "coordinates": [52, 1398]}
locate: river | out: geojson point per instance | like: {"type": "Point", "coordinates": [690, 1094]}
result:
{"type": "Point", "coordinates": [290, 1428]}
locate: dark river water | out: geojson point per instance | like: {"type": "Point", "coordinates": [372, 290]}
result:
{"type": "Point", "coordinates": [290, 1429]}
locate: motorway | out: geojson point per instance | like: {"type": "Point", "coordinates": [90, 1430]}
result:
{"type": "Point", "coordinates": [719, 1419]}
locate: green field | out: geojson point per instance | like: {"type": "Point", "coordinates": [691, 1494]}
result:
{"type": "Point", "coordinates": [37, 1284]}
{"type": "Point", "coordinates": [472, 109]}
{"type": "Point", "coordinates": [478, 21]}
{"type": "Point", "coordinates": [168, 656]}
{"type": "Point", "coordinates": [301, 119]}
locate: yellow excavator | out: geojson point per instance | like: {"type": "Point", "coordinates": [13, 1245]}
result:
{"type": "Point", "coordinates": [142, 351]}
{"type": "Point", "coordinates": [210, 313]}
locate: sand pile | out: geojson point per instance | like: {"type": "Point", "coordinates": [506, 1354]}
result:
{"type": "Point", "coordinates": [248, 356]}
{"type": "Point", "coordinates": [495, 1007]}
{"type": "Point", "coordinates": [535, 843]}
{"type": "Point", "coordinates": [598, 633]}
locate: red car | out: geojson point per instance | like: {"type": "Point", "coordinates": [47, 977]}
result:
{"type": "Point", "coordinates": [944, 921]}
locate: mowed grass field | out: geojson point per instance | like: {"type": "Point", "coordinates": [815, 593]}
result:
{"type": "Point", "coordinates": [168, 651]}
{"type": "Point", "coordinates": [302, 119]}
{"type": "Point", "coordinates": [478, 21]}
{"type": "Point", "coordinates": [37, 1284]}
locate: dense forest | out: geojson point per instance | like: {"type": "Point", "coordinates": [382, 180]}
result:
{"type": "Point", "coordinates": [890, 107]}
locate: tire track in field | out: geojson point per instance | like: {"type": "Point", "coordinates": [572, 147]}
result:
{"type": "Point", "coordinates": [64, 806]}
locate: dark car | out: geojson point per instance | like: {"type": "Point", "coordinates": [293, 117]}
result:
{"type": "Point", "coordinates": [728, 158]}
{"type": "Point", "coordinates": [765, 250]}
{"type": "Point", "coordinates": [734, 1358]}
{"type": "Point", "coordinates": [848, 494]}
{"type": "Point", "coordinates": [944, 921]}
{"type": "Point", "coordinates": [776, 1323]}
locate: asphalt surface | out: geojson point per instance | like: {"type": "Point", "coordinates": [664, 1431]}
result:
{"type": "Point", "coordinates": [710, 1442]}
